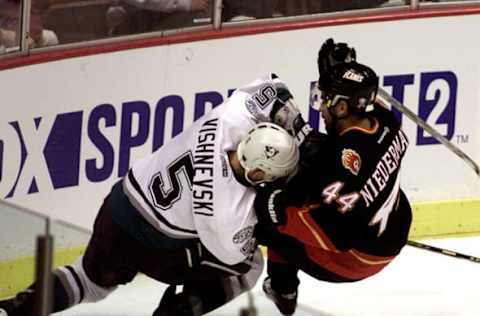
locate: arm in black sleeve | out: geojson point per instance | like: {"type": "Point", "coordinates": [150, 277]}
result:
{"type": "Point", "coordinates": [272, 200]}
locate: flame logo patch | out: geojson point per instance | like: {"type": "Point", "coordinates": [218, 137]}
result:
{"type": "Point", "coordinates": [351, 160]}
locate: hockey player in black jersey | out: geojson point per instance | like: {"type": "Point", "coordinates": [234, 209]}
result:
{"type": "Point", "coordinates": [343, 217]}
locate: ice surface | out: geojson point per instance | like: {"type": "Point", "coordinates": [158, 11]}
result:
{"type": "Point", "coordinates": [417, 283]}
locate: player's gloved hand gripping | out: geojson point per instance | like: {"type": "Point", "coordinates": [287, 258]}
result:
{"type": "Point", "coordinates": [332, 53]}
{"type": "Point", "coordinates": [286, 114]}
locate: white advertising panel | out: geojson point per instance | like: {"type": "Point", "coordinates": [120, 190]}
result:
{"type": "Point", "coordinates": [69, 129]}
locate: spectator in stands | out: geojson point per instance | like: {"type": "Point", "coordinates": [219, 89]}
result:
{"type": "Point", "coordinates": [10, 20]}
{"type": "Point", "coordinates": [234, 10]}
{"type": "Point", "coordinates": [301, 7]}
{"type": "Point", "coordinates": [7, 39]}
{"type": "Point", "coordinates": [140, 16]}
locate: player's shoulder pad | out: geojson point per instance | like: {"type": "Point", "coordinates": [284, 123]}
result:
{"type": "Point", "coordinates": [386, 115]}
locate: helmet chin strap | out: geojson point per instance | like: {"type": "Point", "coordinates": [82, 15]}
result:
{"type": "Point", "coordinates": [333, 122]}
{"type": "Point", "coordinates": [335, 118]}
{"type": "Point", "coordinates": [254, 183]}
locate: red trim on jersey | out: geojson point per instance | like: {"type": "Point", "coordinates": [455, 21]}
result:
{"type": "Point", "coordinates": [303, 227]}
{"type": "Point", "coordinates": [351, 264]}
{"type": "Point", "coordinates": [392, 15]}
{"type": "Point", "coordinates": [274, 257]}
{"type": "Point", "coordinates": [371, 130]}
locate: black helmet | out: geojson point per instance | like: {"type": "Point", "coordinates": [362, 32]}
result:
{"type": "Point", "coordinates": [353, 82]}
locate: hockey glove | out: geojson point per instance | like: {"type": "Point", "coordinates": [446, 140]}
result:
{"type": "Point", "coordinates": [311, 157]}
{"type": "Point", "coordinates": [332, 53]}
{"type": "Point", "coordinates": [286, 114]}
{"type": "Point", "coordinates": [179, 304]}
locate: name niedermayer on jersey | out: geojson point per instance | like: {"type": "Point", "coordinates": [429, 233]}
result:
{"type": "Point", "coordinates": [388, 165]}
{"type": "Point", "coordinates": [203, 159]}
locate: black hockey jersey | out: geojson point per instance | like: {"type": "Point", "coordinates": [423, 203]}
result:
{"type": "Point", "coordinates": [346, 205]}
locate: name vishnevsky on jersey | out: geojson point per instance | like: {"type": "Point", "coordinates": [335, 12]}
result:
{"type": "Point", "coordinates": [203, 158]}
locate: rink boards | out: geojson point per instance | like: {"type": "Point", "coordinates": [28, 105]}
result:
{"type": "Point", "coordinates": [72, 136]}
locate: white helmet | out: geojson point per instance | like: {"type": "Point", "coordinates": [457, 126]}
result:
{"type": "Point", "coordinates": [271, 149]}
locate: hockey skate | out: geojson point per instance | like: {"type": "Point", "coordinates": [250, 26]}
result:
{"type": "Point", "coordinates": [181, 304]}
{"type": "Point", "coordinates": [18, 305]}
{"type": "Point", "coordinates": [6, 307]}
{"type": "Point", "coordinates": [286, 303]}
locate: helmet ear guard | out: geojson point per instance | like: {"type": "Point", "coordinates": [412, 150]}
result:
{"type": "Point", "coordinates": [269, 148]}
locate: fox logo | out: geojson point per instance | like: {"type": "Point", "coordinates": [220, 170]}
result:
{"type": "Point", "coordinates": [351, 161]}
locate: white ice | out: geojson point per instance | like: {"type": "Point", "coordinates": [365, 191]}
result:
{"type": "Point", "coordinates": [416, 283]}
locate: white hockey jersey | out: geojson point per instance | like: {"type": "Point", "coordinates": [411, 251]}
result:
{"type": "Point", "coordinates": [187, 189]}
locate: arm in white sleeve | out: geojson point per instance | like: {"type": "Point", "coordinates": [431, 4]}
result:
{"type": "Point", "coordinates": [259, 96]}
{"type": "Point", "coordinates": [223, 214]}
{"type": "Point", "coordinates": [223, 207]}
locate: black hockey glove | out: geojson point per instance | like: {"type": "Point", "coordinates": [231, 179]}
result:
{"type": "Point", "coordinates": [332, 53]}
{"type": "Point", "coordinates": [311, 151]}
{"type": "Point", "coordinates": [286, 114]}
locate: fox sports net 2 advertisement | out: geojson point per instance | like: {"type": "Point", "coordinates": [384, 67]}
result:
{"type": "Point", "coordinates": [71, 128]}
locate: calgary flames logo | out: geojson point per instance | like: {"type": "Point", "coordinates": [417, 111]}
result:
{"type": "Point", "coordinates": [351, 160]}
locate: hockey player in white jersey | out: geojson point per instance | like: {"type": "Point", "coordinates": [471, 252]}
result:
{"type": "Point", "coordinates": [184, 214]}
